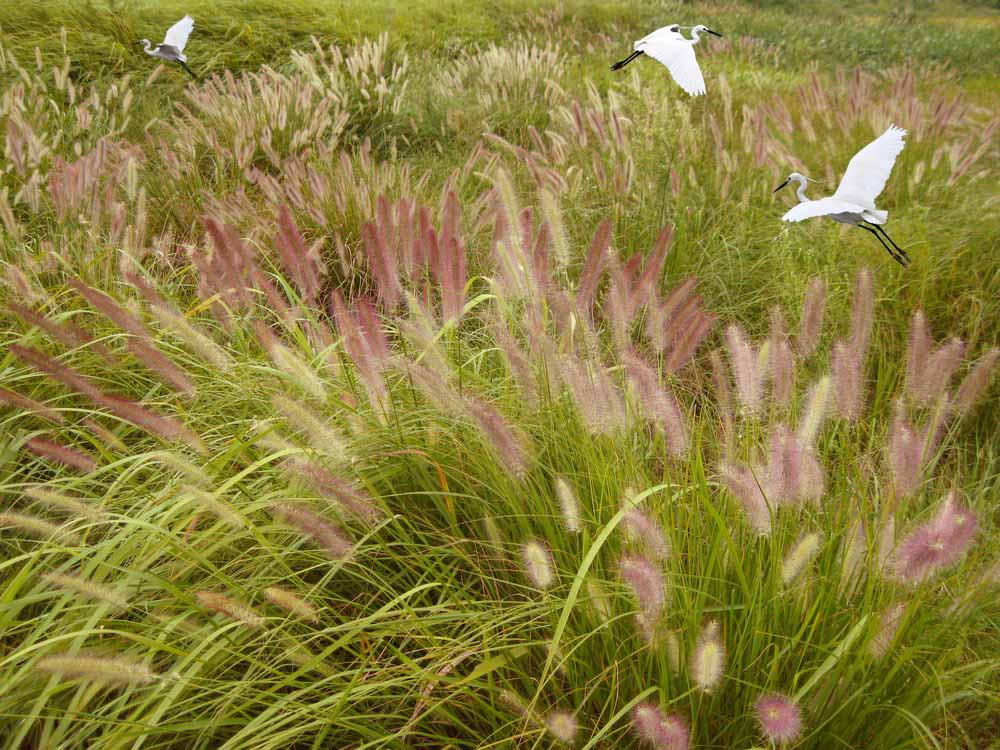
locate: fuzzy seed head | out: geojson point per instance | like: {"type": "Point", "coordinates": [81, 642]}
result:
{"type": "Point", "coordinates": [87, 590]}
{"type": "Point", "coordinates": [779, 717]}
{"type": "Point", "coordinates": [644, 529]}
{"type": "Point", "coordinates": [799, 557]}
{"type": "Point", "coordinates": [661, 731]}
{"type": "Point", "coordinates": [709, 659]}
{"type": "Point", "coordinates": [568, 506]}
{"type": "Point", "coordinates": [225, 605]}
{"type": "Point", "coordinates": [537, 562]}
{"type": "Point", "coordinates": [291, 602]}
{"type": "Point", "coordinates": [936, 544]}
{"type": "Point", "coordinates": [888, 627]}
{"type": "Point", "coordinates": [647, 582]}
{"type": "Point", "coordinates": [562, 725]}
{"type": "Point", "coordinates": [116, 670]}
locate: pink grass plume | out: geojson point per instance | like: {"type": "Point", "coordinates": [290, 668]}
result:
{"type": "Point", "coordinates": [779, 717]}
{"type": "Point", "coordinates": [647, 582]}
{"type": "Point", "coordinates": [936, 544]}
{"type": "Point", "coordinates": [659, 730]}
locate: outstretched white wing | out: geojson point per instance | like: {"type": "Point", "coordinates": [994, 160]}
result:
{"type": "Point", "coordinates": [177, 35]}
{"type": "Point", "coordinates": [677, 54]}
{"type": "Point", "coordinates": [869, 170]}
{"type": "Point", "coordinates": [821, 207]}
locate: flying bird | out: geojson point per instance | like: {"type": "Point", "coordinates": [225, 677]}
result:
{"type": "Point", "coordinates": [854, 200]}
{"type": "Point", "coordinates": [172, 46]}
{"type": "Point", "coordinates": [668, 46]}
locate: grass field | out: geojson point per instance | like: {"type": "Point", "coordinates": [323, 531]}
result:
{"type": "Point", "coordinates": [411, 380]}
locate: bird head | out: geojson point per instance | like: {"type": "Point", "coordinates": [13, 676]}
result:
{"type": "Point", "coordinates": [701, 27]}
{"type": "Point", "coordinates": [145, 43]}
{"type": "Point", "coordinates": [794, 177]}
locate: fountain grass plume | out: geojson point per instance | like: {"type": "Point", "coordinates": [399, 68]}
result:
{"type": "Point", "coordinates": [647, 583]}
{"type": "Point", "coordinates": [538, 565]}
{"type": "Point", "coordinates": [569, 506]}
{"type": "Point", "coordinates": [563, 726]}
{"type": "Point", "coordinates": [38, 527]}
{"type": "Point", "coordinates": [799, 556]}
{"type": "Point", "coordinates": [117, 670]}
{"type": "Point", "coordinates": [226, 605]}
{"type": "Point", "coordinates": [936, 544]}
{"type": "Point", "coordinates": [292, 602]}
{"type": "Point", "coordinates": [708, 661]}
{"type": "Point", "coordinates": [813, 309]}
{"type": "Point", "coordinates": [85, 589]}
{"type": "Point", "coordinates": [329, 536]}
{"type": "Point", "coordinates": [647, 532]}
{"type": "Point", "coordinates": [660, 730]}
{"type": "Point", "coordinates": [779, 717]}
{"type": "Point", "coordinates": [976, 381]}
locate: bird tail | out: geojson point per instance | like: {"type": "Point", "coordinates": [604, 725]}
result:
{"type": "Point", "coordinates": [185, 66]}
{"type": "Point", "coordinates": [875, 216]}
{"type": "Point", "coordinates": [622, 63]}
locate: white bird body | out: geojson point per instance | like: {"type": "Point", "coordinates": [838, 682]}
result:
{"type": "Point", "coordinates": [853, 202]}
{"type": "Point", "coordinates": [171, 48]}
{"type": "Point", "coordinates": [668, 46]}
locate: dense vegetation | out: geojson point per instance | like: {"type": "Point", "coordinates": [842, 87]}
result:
{"type": "Point", "coordinates": [411, 380]}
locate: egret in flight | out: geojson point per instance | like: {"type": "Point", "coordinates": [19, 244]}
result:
{"type": "Point", "coordinates": [172, 47]}
{"type": "Point", "coordinates": [668, 46]}
{"type": "Point", "coordinates": [854, 200]}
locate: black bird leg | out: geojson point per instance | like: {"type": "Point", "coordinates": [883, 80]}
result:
{"type": "Point", "coordinates": [185, 66]}
{"type": "Point", "coordinates": [622, 63]}
{"type": "Point", "coordinates": [885, 234]}
{"type": "Point", "coordinates": [891, 252]}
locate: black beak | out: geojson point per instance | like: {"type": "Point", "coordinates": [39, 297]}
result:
{"type": "Point", "coordinates": [780, 186]}
{"type": "Point", "coordinates": [713, 32]}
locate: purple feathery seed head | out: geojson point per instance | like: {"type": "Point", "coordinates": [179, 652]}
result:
{"type": "Point", "coordinates": [783, 474]}
{"type": "Point", "coordinates": [746, 368]}
{"type": "Point", "coordinates": [646, 581]}
{"type": "Point", "coordinates": [936, 544]}
{"type": "Point", "coordinates": [976, 382]}
{"type": "Point", "coordinates": [740, 481]}
{"type": "Point", "coordinates": [645, 530]}
{"type": "Point", "coordinates": [662, 731]}
{"type": "Point", "coordinates": [779, 717]}
{"type": "Point", "coordinates": [862, 313]}
{"type": "Point", "coordinates": [846, 366]}
{"type": "Point", "coordinates": [780, 360]}
{"type": "Point", "coordinates": [938, 370]}
{"type": "Point", "coordinates": [906, 448]}
{"type": "Point", "coordinates": [917, 350]}
{"type": "Point", "coordinates": [813, 308]}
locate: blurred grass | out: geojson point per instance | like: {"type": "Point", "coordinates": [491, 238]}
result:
{"type": "Point", "coordinates": [236, 35]}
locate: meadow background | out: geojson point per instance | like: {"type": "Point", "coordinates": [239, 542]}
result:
{"type": "Point", "coordinates": [411, 380]}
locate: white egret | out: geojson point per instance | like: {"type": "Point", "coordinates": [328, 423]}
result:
{"type": "Point", "coordinates": [668, 46]}
{"type": "Point", "coordinates": [854, 200]}
{"type": "Point", "coordinates": [172, 47]}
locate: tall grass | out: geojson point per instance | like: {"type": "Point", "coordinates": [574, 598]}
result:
{"type": "Point", "coordinates": [456, 394]}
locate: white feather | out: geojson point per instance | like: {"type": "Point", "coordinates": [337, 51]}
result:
{"type": "Point", "coordinates": [870, 168]}
{"type": "Point", "coordinates": [821, 207]}
{"type": "Point", "coordinates": [177, 35]}
{"type": "Point", "coordinates": [677, 54]}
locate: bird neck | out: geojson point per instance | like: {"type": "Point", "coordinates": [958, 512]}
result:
{"type": "Point", "coordinates": [695, 36]}
{"type": "Point", "coordinates": [801, 192]}
{"type": "Point", "coordinates": [147, 46]}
